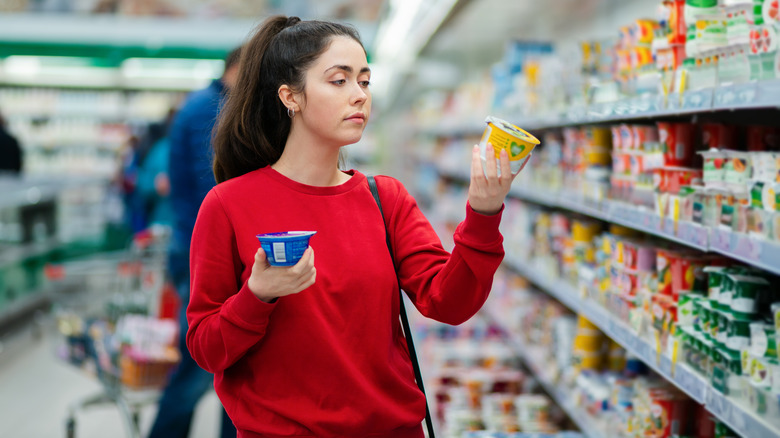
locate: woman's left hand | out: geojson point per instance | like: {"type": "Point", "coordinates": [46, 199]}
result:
{"type": "Point", "coordinates": [487, 190]}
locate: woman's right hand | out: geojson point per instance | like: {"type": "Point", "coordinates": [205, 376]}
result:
{"type": "Point", "coordinates": [269, 282]}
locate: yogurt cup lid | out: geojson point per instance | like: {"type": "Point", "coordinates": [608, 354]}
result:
{"type": "Point", "coordinates": [286, 235]}
{"type": "Point", "coordinates": [512, 129]}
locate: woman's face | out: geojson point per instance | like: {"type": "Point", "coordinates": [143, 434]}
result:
{"type": "Point", "coordinates": [336, 102]}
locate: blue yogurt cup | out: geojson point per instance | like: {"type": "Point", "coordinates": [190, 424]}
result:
{"type": "Point", "coordinates": [285, 249]}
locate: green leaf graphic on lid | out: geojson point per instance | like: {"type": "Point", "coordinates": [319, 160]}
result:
{"type": "Point", "coordinates": [516, 149]}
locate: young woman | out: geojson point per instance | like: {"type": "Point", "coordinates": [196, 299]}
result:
{"type": "Point", "coordinates": [316, 349]}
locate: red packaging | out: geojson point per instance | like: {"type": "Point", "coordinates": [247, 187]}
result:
{"type": "Point", "coordinates": [621, 163]}
{"type": "Point", "coordinates": [678, 139]}
{"type": "Point", "coordinates": [670, 58]}
{"type": "Point", "coordinates": [617, 143]}
{"type": "Point", "coordinates": [629, 255]}
{"type": "Point", "coordinates": [660, 183]}
{"type": "Point", "coordinates": [677, 177]}
{"type": "Point", "coordinates": [704, 424]}
{"type": "Point", "coordinates": [636, 164]}
{"type": "Point", "coordinates": [668, 408]}
{"type": "Point", "coordinates": [763, 138]}
{"type": "Point", "coordinates": [664, 260]}
{"type": "Point", "coordinates": [679, 31]}
{"type": "Point", "coordinates": [718, 136]}
{"type": "Point", "coordinates": [627, 136]}
{"type": "Point", "coordinates": [688, 273]}
{"type": "Point", "coordinates": [643, 134]}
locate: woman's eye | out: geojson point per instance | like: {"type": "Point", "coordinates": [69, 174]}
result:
{"type": "Point", "coordinates": [339, 82]}
{"type": "Point", "coordinates": [365, 83]}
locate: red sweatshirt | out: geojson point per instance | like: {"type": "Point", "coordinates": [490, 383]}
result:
{"type": "Point", "coordinates": [330, 361]}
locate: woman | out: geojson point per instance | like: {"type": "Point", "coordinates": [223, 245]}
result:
{"type": "Point", "coordinates": [317, 349]}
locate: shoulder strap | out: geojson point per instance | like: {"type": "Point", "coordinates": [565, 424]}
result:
{"type": "Point", "coordinates": [404, 317]}
{"type": "Point", "coordinates": [375, 193]}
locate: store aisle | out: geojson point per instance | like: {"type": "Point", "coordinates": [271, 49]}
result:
{"type": "Point", "coordinates": [38, 388]}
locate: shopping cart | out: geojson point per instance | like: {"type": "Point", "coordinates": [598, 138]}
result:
{"type": "Point", "coordinates": [108, 314]}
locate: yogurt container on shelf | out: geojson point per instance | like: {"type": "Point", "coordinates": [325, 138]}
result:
{"type": "Point", "coordinates": [763, 342]}
{"type": "Point", "coordinates": [714, 173]}
{"type": "Point", "coordinates": [776, 315]}
{"type": "Point", "coordinates": [285, 248]}
{"type": "Point", "coordinates": [503, 135]}
{"type": "Point", "coordinates": [765, 166]}
{"type": "Point", "coordinates": [748, 291]}
{"type": "Point", "coordinates": [738, 335]}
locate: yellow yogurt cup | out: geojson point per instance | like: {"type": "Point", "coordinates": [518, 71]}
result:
{"type": "Point", "coordinates": [503, 135]}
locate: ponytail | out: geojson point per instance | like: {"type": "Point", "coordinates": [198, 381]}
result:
{"type": "Point", "coordinates": [253, 125]}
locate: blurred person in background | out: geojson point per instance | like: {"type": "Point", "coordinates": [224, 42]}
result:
{"type": "Point", "coordinates": [10, 151]}
{"type": "Point", "coordinates": [154, 185]}
{"type": "Point", "coordinates": [190, 177]}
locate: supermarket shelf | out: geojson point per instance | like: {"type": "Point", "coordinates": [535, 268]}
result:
{"type": "Point", "coordinates": [735, 416]}
{"type": "Point", "coordinates": [20, 310]}
{"type": "Point", "coordinates": [745, 248]}
{"type": "Point", "coordinates": [10, 253]}
{"type": "Point", "coordinates": [752, 95]}
{"type": "Point", "coordinates": [583, 421]}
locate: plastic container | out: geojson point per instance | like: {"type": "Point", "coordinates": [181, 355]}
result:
{"type": "Point", "coordinates": [678, 177]}
{"type": "Point", "coordinates": [532, 408]}
{"type": "Point", "coordinates": [747, 294]}
{"type": "Point", "coordinates": [776, 315]}
{"type": "Point", "coordinates": [719, 136]}
{"type": "Point", "coordinates": [765, 166]}
{"type": "Point", "coordinates": [714, 174]}
{"type": "Point", "coordinates": [763, 340]}
{"type": "Point", "coordinates": [737, 169]}
{"type": "Point", "coordinates": [679, 141]}
{"type": "Point", "coordinates": [738, 336]}
{"type": "Point", "coordinates": [285, 248]}
{"type": "Point", "coordinates": [503, 135]}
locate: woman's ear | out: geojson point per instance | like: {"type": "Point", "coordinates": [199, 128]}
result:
{"type": "Point", "coordinates": [288, 98]}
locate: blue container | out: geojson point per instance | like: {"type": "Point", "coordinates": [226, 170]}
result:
{"type": "Point", "coordinates": [285, 249]}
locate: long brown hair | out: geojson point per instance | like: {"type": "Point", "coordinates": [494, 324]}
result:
{"type": "Point", "coordinates": [253, 125]}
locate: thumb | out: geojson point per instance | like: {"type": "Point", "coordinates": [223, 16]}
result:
{"type": "Point", "coordinates": [260, 258]}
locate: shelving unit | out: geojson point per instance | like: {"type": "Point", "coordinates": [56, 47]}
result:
{"type": "Point", "coordinates": [526, 354]}
{"type": "Point", "coordinates": [741, 101]}
{"type": "Point", "coordinates": [736, 416]}
{"type": "Point", "coordinates": [43, 220]}
{"type": "Point", "coordinates": [756, 95]}
{"type": "Point", "coordinates": [743, 247]}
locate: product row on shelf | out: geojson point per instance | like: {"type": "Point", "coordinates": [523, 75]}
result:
{"type": "Point", "coordinates": [486, 374]}
{"type": "Point", "coordinates": [711, 186]}
{"type": "Point", "coordinates": [48, 220]}
{"type": "Point", "coordinates": [701, 321]}
{"type": "Point", "coordinates": [476, 384]}
{"type": "Point", "coordinates": [693, 56]}
{"type": "Point", "coordinates": [79, 132]}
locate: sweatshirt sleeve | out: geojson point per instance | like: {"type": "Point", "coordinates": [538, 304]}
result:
{"type": "Point", "coordinates": [449, 288]}
{"type": "Point", "coordinates": [225, 318]}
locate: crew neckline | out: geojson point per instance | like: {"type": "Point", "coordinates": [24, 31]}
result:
{"type": "Point", "coordinates": [348, 185]}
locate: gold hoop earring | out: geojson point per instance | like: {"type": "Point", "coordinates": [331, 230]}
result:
{"type": "Point", "coordinates": [290, 113]}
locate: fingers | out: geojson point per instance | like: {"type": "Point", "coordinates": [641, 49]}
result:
{"type": "Point", "coordinates": [304, 273]}
{"type": "Point", "coordinates": [491, 168]}
{"type": "Point", "coordinates": [476, 165]}
{"type": "Point", "coordinates": [506, 171]}
{"type": "Point", "coordinates": [305, 264]}
{"type": "Point", "coordinates": [260, 258]}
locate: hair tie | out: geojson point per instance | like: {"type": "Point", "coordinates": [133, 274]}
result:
{"type": "Point", "coordinates": [292, 21]}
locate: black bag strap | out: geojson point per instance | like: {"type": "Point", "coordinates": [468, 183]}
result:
{"type": "Point", "coordinates": [404, 317]}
